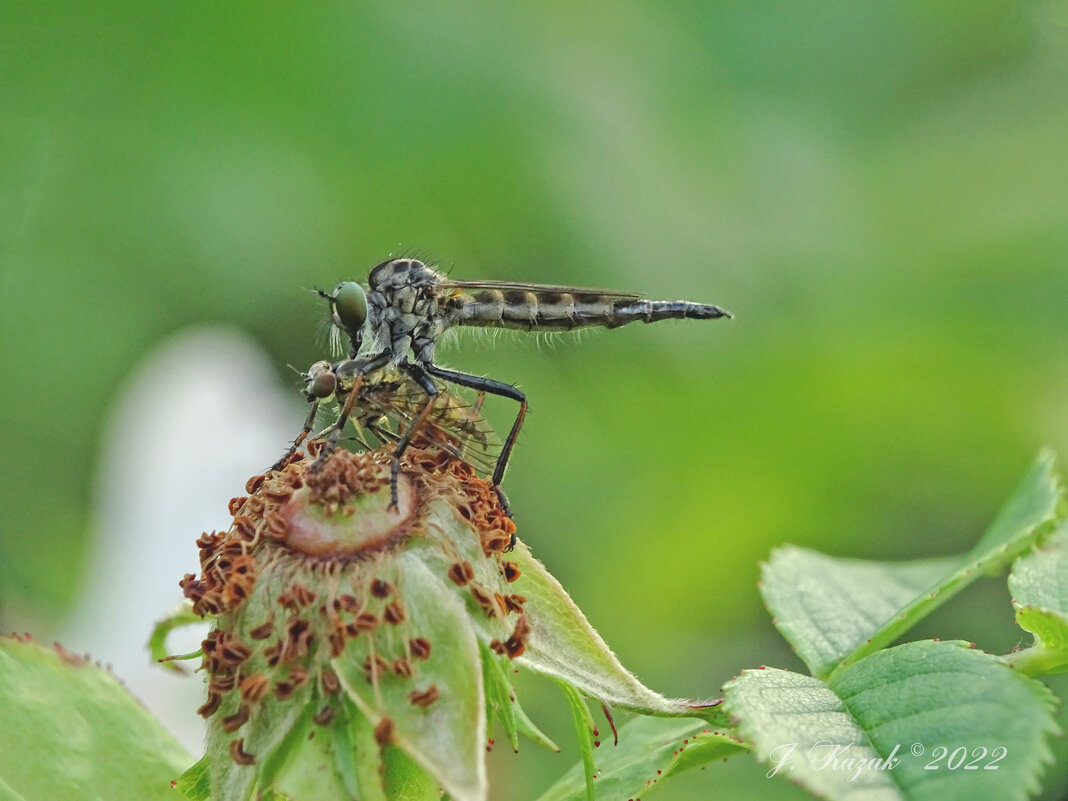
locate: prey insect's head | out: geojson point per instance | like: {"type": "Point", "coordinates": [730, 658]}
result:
{"type": "Point", "coordinates": [348, 310]}
{"type": "Point", "coordinates": [321, 381]}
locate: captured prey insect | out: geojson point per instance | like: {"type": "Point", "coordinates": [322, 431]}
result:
{"type": "Point", "coordinates": [397, 322]}
{"type": "Point", "coordinates": [373, 400]}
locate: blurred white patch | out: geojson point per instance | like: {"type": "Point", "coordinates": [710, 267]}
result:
{"type": "Point", "coordinates": [195, 420]}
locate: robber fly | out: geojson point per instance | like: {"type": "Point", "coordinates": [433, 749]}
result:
{"type": "Point", "coordinates": [398, 320]}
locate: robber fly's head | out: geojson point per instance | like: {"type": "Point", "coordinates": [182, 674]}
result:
{"type": "Point", "coordinates": [321, 381]}
{"type": "Point", "coordinates": [348, 311]}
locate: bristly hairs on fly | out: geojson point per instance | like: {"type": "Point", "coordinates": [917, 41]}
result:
{"type": "Point", "coordinates": [327, 335]}
{"type": "Point", "coordinates": [486, 338]}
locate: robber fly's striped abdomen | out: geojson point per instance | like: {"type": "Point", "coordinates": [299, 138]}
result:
{"type": "Point", "coordinates": [554, 310]}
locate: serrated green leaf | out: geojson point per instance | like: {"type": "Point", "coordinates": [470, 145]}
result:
{"type": "Point", "coordinates": [1032, 503]}
{"type": "Point", "coordinates": [840, 738]}
{"type": "Point", "coordinates": [70, 730]}
{"type": "Point", "coordinates": [448, 737]}
{"type": "Point", "coordinates": [650, 751]}
{"type": "Point", "coordinates": [837, 611]}
{"type": "Point", "coordinates": [1039, 587]}
{"type": "Point", "coordinates": [565, 646]}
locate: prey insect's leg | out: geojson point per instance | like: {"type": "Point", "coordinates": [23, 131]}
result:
{"type": "Point", "coordinates": [333, 432]}
{"type": "Point", "coordinates": [431, 390]}
{"type": "Point", "coordinates": [308, 425]}
{"type": "Point", "coordinates": [495, 388]}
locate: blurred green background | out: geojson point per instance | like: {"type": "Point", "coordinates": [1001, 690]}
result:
{"type": "Point", "coordinates": [878, 191]}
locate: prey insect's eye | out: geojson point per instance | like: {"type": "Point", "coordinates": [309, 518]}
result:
{"type": "Point", "coordinates": [350, 305]}
{"type": "Point", "coordinates": [321, 381]}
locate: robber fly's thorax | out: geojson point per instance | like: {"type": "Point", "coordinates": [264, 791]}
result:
{"type": "Point", "coordinates": [404, 310]}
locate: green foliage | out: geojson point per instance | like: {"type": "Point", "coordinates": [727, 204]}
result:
{"type": "Point", "coordinates": [923, 720]}
{"type": "Point", "coordinates": [874, 729]}
{"type": "Point", "coordinates": [836, 611]}
{"type": "Point", "coordinates": [503, 706]}
{"type": "Point", "coordinates": [649, 752]}
{"type": "Point", "coordinates": [70, 730]}
{"type": "Point", "coordinates": [1039, 590]}
{"type": "Point", "coordinates": [584, 734]}
{"type": "Point", "coordinates": [919, 721]}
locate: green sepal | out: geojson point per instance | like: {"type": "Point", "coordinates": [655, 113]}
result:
{"type": "Point", "coordinates": [649, 751]}
{"type": "Point", "coordinates": [179, 617]}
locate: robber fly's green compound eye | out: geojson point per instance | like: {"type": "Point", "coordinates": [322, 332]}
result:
{"type": "Point", "coordinates": [321, 381]}
{"type": "Point", "coordinates": [350, 305]}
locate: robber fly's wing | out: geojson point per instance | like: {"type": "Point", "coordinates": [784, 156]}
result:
{"type": "Point", "coordinates": [613, 295]}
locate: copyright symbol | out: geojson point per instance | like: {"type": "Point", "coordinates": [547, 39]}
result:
{"type": "Point", "coordinates": [917, 749]}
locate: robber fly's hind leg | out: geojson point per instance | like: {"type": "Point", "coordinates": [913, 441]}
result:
{"type": "Point", "coordinates": [494, 388]}
{"type": "Point", "coordinates": [309, 424]}
{"type": "Point", "coordinates": [430, 388]}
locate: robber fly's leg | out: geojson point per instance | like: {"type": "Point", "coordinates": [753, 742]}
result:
{"type": "Point", "coordinates": [308, 425]}
{"type": "Point", "coordinates": [494, 388]}
{"type": "Point", "coordinates": [431, 390]}
{"type": "Point", "coordinates": [499, 490]}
